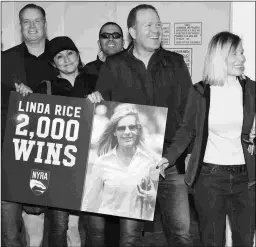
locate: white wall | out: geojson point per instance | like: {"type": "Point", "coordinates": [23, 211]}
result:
{"type": "Point", "coordinates": [243, 24]}
{"type": "Point", "coordinates": [82, 20]}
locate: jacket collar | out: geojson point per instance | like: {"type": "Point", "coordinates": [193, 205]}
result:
{"type": "Point", "coordinates": [46, 49]}
{"type": "Point", "coordinates": [204, 88]}
{"type": "Point", "coordinates": [156, 56]}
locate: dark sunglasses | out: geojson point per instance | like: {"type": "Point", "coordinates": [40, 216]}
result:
{"type": "Point", "coordinates": [114, 35]}
{"type": "Point", "coordinates": [131, 128]}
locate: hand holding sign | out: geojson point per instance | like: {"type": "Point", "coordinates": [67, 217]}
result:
{"type": "Point", "coordinates": [23, 89]}
{"type": "Point", "coordinates": [45, 150]}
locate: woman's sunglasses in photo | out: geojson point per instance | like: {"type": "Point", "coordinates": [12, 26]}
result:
{"type": "Point", "coordinates": [130, 127]}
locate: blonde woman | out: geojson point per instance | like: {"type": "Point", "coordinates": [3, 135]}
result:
{"type": "Point", "coordinates": [123, 181]}
{"type": "Point", "coordinates": [219, 114]}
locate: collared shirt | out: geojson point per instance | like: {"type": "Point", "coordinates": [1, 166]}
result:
{"type": "Point", "coordinates": [225, 125]}
{"type": "Point", "coordinates": [111, 188]}
{"type": "Point", "coordinates": [38, 68]}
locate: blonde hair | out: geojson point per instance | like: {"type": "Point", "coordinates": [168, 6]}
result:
{"type": "Point", "coordinates": [107, 140]}
{"type": "Point", "coordinates": [215, 66]}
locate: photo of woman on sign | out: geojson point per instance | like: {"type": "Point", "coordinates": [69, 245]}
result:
{"type": "Point", "coordinates": [123, 180]}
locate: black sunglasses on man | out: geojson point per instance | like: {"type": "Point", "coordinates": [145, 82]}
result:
{"type": "Point", "coordinates": [114, 35]}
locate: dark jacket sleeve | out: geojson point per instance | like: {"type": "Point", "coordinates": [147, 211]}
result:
{"type": "Point", "coordinates": [106, 81]}
{"type": "Point", "coordinates": [7, 85]}
{"type": "Point", "coordinates": [185, 83]}
{"type": "Point", "coordinates": [186, 132]}
{"type": "Point", "coordinates": [91, 83]}
{"type": "Point", "coordinates": [41, 88]}
{"type": "Point", "coordinates": [190, 147]}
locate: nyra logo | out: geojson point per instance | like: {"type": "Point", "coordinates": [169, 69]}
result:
{"type": "Point", "coordinates": [39, 181]}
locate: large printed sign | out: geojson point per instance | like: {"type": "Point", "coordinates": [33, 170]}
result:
{"type": "Point", "coordinates": [69, 153]}
{"type": "Point", "coordinates": [45, 150]}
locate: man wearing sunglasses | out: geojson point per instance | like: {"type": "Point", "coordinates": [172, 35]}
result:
{"type": "Point", "coordinates": [110, 42]}
{"type": "Point", "coordinates": [147, 74]}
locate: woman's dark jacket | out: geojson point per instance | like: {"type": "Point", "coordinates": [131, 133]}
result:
{"type": "Point", "coordinates": [82, 86]}
{"type": "Point", "coordinates": [195, 127]}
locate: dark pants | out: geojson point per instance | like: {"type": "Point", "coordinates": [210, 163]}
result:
{"type": "Point", "coordinates": [58, 220]}
{"type": "Point", "coordinates": [172, 196]}
{"type": "Point", "coordinates": [218, 193]}
{"type": "Point", "coordinates": [12, 225]}
{"type": "Point", "coordinates": [13, 232]}
{"type": "Point", "coordinates": [57, 225]}
{"type": "Point", "coordinates": [130, 231]}
{"type": "Point", "coordinates": [173, 199]}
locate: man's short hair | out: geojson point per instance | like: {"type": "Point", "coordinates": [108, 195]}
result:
{"type": "Point", "coordinates": [110, 23]}
{"type": "Point", "coordinates": [32, 6]}
{"type": "Point", "coordinates": [132, 15]}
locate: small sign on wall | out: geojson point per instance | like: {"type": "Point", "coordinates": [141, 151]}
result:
{"type": "Point", "coordinates": [187, 54]}
{"type": "Point", "coordinates": [188, 33]}
{"type": "Point", "coordinates": [166, 34]}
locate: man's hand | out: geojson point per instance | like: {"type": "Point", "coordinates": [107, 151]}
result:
{"type": "Point", "coordinates": [95, 97]}
{"type": "Point", "coordinates": [23, 89]}
{"type": "Point", "coordinates": [162, 164]}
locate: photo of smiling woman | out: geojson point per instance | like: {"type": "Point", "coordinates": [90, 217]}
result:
{"type": "Point", "coordinates": [123, 179]}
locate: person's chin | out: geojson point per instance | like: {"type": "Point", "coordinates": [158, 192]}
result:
{"type": "Point", "coordinates": [32, 38]}
{"type": "Point", "coordinates": [129, 144]}
{"type": "Point", "coordinates": [112, 51]}
{"type": "Point", "coordinates": [239, 71]}
{"type": "Point", "coordinates": [154, 47]}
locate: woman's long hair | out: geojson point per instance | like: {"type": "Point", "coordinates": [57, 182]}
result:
{"type": "Point", "coordinates": [108, 141]}
{"type": "Point", "coordinates": [215, 66]}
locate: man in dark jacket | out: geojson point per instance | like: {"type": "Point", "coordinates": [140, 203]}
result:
{"type": "Point", "coordinates": [149, 75]}
{"type": "Point", "coordinates": [110, 41]}
{"type": "Point", "coordinates": [23, 68]}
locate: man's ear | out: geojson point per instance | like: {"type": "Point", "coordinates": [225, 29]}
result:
{"type": "Point", "coordinates": [45, 26]}
{"type": "Point", "coordinates": [132, 32]}
{"type": "Point", "coordinates": [99, 44]}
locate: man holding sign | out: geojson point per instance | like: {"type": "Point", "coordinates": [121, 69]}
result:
{"type": "Point", "coordinates": [23, 68]}
{"type": "Point", "coordinates": [147, 74]}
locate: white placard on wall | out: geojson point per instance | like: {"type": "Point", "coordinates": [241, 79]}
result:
{"type": "Point", "coordinates": [187, 55]}
{"type": "Point", "coordinates": [166, 33]}
{"type": "Point", "coordinates": [188, 33]}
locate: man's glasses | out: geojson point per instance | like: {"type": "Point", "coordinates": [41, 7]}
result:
{"type": "Point", "coordinates": [114, 35]}
{"type": "Point", "coordinates": [132, 127]}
